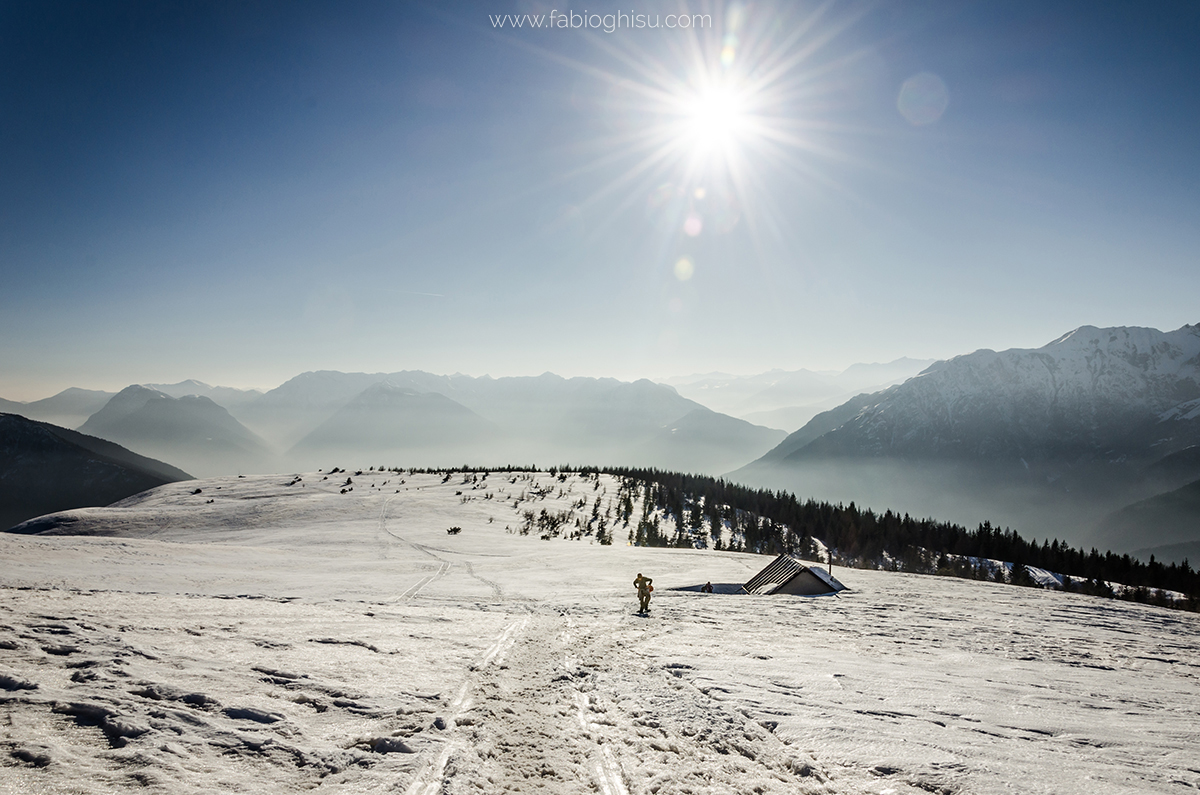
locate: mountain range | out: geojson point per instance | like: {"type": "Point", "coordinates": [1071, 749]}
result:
{"type": "Point", "coordinates": [1174, 516]}
{"type": "Point", "coordinates": [545, 418]}
{"type": "Point", "coordinates": [1050, 439]}
{"type": "Point", "coordinates": [69, 408]}
{"type": "Point", "coordinates": [1060, 441]}
{"type": "Point", "coordinates": [788, 399]}
{"type": "Point", "coordinates": [227, 397]}
{"type": "Point", "coordinates": [422, 419]}
{"type": "Point", "coordinates": [191, 430]}
{"type": "Point", "coordinates": [386, 420]}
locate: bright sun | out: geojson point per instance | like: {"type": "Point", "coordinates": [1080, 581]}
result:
{"type": "Point", "coordinates": [704, 122]}
{"type": "Point", "coordinates": [713, 119]}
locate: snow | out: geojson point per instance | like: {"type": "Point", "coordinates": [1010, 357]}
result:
{"type": "Point", "coordinates": [1184, 411]}
{"type": "Point", "coordinates": [287, 636]}
{"type": "Point", "coordinates": [1086, 387]}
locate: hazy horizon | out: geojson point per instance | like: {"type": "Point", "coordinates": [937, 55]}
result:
{"type": "Point", "coordinates": [240, 194]}
{"type": "Point", "coordinates": [116, 386]}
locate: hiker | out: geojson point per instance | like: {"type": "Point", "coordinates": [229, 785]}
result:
{"type": "Point", "coordinates": [644, 587]}
{"type": "Point", "coordinates": [707, 588]}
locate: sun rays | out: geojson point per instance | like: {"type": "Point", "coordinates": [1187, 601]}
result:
{"type": "Point", "coordinates": [697, 123]}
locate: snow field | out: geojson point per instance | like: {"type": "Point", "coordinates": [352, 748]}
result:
{"type": "Point", "coordinates": [288, 636]}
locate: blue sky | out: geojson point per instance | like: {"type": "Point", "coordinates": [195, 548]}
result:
{"type": "Point", "coordinates": [241, 192]}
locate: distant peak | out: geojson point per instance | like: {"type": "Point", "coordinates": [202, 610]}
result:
{"type": "Point", "coordinates": [388, 386]}
{"type": "Point", "coordinates": [143, 390]}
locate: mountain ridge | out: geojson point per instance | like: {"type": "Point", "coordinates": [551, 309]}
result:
{"type": "Point", "coordinates": [1078, 391]}
{"type": "Point", "coordinates": [1051, 438]}
{"type": "Point", "coordinates": [46, 468]}
{"type": "Point", "coordinates": [193, 430]}
{"type": "Point", "coordinates": [536, 418]}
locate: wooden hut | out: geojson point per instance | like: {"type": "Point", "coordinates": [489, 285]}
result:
{"type": "Point", "coordinates": [789, 575]}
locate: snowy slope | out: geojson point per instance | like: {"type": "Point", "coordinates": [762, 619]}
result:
{"type": "Point", "coordinates": [45, 468]}
{"type": "Point", "coordinates": [273, 634]}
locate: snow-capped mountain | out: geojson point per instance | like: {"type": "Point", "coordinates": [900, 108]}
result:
{"type": "Point", "coordinates": [1047, 440]}
{"type": "Point", "coordinates": [1092, 393]}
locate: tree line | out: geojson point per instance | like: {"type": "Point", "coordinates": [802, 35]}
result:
{"type": "Point", "coordinates": [697, 508]}
{"type": "Point", "coordinates": [769, 522]}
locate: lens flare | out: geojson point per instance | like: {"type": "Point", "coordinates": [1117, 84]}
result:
{"type": "Point", "coordinates": [923, 99]}
{"type": "Point", "coordinates": [684, 269]}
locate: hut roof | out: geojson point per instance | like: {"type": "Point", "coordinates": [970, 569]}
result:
{"type": "Point", "coordinates": [787, 574]}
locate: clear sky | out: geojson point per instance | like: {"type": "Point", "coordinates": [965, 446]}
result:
{"type": "Point", "coordinates": [239, 192]}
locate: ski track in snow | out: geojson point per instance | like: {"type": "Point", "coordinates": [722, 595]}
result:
{"type": "Point", "coordinates": [443, 565]}
{"type": "Point", "coordinates": [347, 643]}
{"type": "Point", "coordinates": [554, 709]}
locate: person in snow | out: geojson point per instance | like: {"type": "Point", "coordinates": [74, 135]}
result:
{"type": "Point", "coordinates": [644, 587]}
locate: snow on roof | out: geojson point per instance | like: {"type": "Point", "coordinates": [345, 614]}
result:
{"type": "Point", "coordinates": [827, 578]}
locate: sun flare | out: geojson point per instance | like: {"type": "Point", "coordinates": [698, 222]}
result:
{"type": "Point", "coordinates": [702, 130]}
{"type": "Point", "coordinates": [714, 119]}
